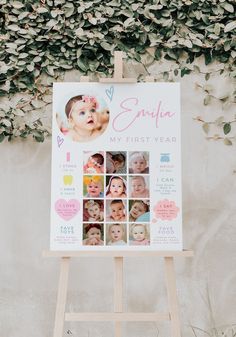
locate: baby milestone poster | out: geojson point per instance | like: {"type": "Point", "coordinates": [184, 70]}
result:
{"type": "Point", "coordinates": [116, 167]}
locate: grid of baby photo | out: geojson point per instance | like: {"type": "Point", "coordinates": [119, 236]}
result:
{"type": "Point", "coordinates": [116, 198]}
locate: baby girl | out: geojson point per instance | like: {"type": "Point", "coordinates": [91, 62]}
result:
{"type": "Point", "coordinates": [94, 211]}
{"type": "Point", "coordinates": [81, 112]}
{"type": "Point", "coordinates": [116, 187]}
{"type": "Point", "coordinates": [93, 234]}
{"type": "Point", "coordinates": [139, 235]}
{"type": "Point", "coordinates": [138, 163]}
{"type": "Point", "coordinates": [138, 187]}
{"type": "Point", "coordinates": [117, 211]}
{"type": "Point", "coordinates": [115, 162]}
{"type": "Point", "coordinates": [94, 164]}
{"type": "Point", "coordinates": [116, 235]}
{"type": "Point", "coordinates": [94, 186]}
{"type": "Point", "coordinates": [138, 208]}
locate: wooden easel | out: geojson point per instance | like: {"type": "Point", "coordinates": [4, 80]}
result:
{"type": "Point", "coordinates": [118, 315]}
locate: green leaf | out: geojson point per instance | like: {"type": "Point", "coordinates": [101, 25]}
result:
{"type": "Point", "coordinates": [51, 23]}
{"type": "Point", "coordinates": [30, 67]}
{"type": "Point", "coordinates": [107, 46]}
{"type": "Point", "coordinates": [50, 70]}
{"type": "Point", "coordinates": [230, 26]}
{"type": "Point", "coordinates": [2, 137]}
{"type": "Point", "coordinates": [22, 55]}
{"type": "Point", "coordinates": [19, 112]}
{"type": "Point", "coordinates": [13, 27]}
{"type": "Point", "coordinates": [227, 141]}
{"type": "Point", "coordinates": [207, 100]}
{"type": "Point", "coordinates": [185, 71]}
{"type": "Point", "coordinates": [165, 76]}
{"type": "Point", "coordinates": [217, 29]}
{"type": "Point", "coordinates": [41, 10]}
{"type": "Point", "coordinates": [206, 127]}
{"type": "Point", "coordinates": [38, 136]}
{"type": "Point", "coordinates": [6, 122]}
{"type": "Point", "coordinates": [37, 103]}
{"type": "Point", "coordinates": [17, 4]}
{"type": "Point", "coordinates": [23, 15]}
{"type": "Point", "coordinates": [228, 7]}
{"type": "Point", "coordinates": [227, 45]}
{"type": "Point", "coordinates": [176, 72]}
{"type": "Point", "coordinates": [69, 11]}
{"type": "Point", "coordinates": [128, 22]}
{"type": "Point", "coordinates": [227, 128]}
{"type": "Point", "coordinates": [208, 58]}
{"type": "Point", "coordinates": [82, 65]}
{"type": "Point", "coordinates": [219, 121]}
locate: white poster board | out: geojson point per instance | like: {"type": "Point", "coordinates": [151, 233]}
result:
{"type": "Point", "coordinates": [116, 167]}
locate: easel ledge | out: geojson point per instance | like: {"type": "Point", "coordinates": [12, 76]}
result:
{"type": "Point", "coordinates": [112, 253]}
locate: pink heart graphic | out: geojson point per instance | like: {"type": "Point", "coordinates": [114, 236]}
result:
{"type": "Point", "coordinates": [59, 141]}
{"type": "Point", "coordinates": [67, 209]}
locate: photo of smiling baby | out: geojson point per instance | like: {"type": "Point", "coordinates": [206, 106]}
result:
{"type": "Point", "coordinates": [139, 210]}
{"type": "Point", "coordinates": [138, 162]}
{"type": "Point", "coordinates": [116, 187]}
{"type": "Point", "coordinates": [93, 186]}
{"type": "Point", "coordinates": [85, 118]}
{"type": "Point", "coordinates": [139, 235]}
{"type": "Point", "coordinates": [138, 186]}
{"type": "Point", "coordinates": [116, 210]}
{"type": "Point", "coordinates": [116, 235]}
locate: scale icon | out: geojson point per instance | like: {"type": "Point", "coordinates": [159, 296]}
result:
{"type": "Point", "coordinates": [165, 157]}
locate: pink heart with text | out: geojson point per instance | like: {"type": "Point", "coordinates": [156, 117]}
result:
{"type": "Point", "coordinates": [67, 209]}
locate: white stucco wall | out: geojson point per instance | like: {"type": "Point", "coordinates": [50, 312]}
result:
{"type": "Point", "coordinates": [206, 283]}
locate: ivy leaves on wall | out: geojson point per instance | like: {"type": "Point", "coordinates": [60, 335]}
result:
{"type": "Point", "coordinates": [51, 37]}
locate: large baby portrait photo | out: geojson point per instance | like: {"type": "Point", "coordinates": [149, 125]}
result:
{"type": "Point", "coordinates": [85, 118]}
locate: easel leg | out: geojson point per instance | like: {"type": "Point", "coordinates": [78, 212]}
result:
{"type": "Point", "coordinates": [118, 291]}
{"type": "Point", "coordinates": [172, 296]}
{"type": "Point", "coordinates": [61, 297]}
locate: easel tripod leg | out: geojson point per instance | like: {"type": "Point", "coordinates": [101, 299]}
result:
{"type": "Point", "coordinates": [61, 297]}
{"type": "Point", "coordinates": [118, 291]}
{"type": "Point", "coordinates": [172, 297]}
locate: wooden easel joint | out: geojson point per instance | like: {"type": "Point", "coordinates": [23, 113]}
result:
{"type": "Point", "coordinates": [118, 71]}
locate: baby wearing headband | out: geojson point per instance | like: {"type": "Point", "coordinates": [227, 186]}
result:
{"type": "Point", "coordinates": [94, 211]}
{"type": "Point", "coordinates": [138, 163]}
{"type": "Point", "coordinates": [81, 112]}
{"type": "Point", "coordinates": [94, 164]}
{"type": "Point", "coordinates": [94, 186]}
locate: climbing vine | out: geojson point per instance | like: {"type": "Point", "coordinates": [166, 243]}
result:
{"type": "Point", "coordinates": [41, 40]}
